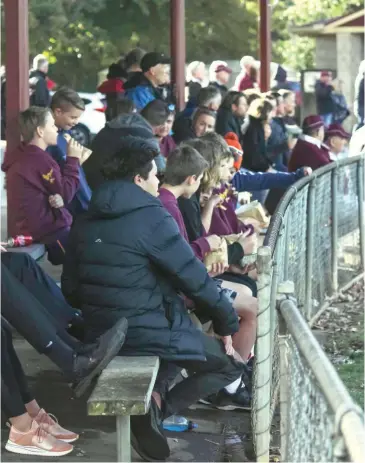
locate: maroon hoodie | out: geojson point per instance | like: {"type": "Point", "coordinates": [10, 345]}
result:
{"type": "Point", "coordinates": [32, 176]}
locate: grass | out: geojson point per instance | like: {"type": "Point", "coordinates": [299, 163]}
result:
{"type": "Point", "coordinates": [345, 345]}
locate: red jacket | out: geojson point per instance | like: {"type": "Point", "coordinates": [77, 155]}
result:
{"type": "Point", "coordinates": [31, 177]}
{"type": "Point", "coordinates": [308, 154]}
{"type": "Point", "coordinates": [246, 83]}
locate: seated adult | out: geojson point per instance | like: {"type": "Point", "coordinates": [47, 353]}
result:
{"type": "Point", "coordinates": [143, 87]}
{"type": "Point", "coordinates": [310, 150]}
{"type": "Point", "coordinates": [244, 80]}
{"type": "Point", "coordinates": [203, 122]}
{"type": "Point", "coordinates": [127, 258]}
{"type": "Point", "coordinates": [336, 138]}
{"type": "Point", "coordinates": [222, 74]}
{"type": "Point", "coordinates": [209, 98]}
{"type": "Point", "coordinates": [67, 107]}
{"type": "Point", "coordinates": [231, 114]}
{"type": "Point", "coordinates": [195, 74]}
{"type": "Point", "coordinates": [42, 320]}
{"type": "Point", "coordinates": [108, 141]}
{"type": "Point", "coordinates": [279, 144]}
{"type": "Point", "coordinates": [33, 177]}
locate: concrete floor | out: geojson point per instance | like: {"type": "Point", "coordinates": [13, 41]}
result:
{"type": "Point", "coordinates": [97, 435]}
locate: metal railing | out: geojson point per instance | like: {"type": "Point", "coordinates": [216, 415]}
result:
{"type": "Point", "coordinates": [316, 241]}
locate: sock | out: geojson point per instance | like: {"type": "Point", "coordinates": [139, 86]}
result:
{"type": "Point", "coordinates": [61, 354]}
{"type": "Point", "coordinates": [232, 388]}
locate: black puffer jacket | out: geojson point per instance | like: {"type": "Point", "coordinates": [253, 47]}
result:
{"type": "Point", "coordinates": [127, 258]}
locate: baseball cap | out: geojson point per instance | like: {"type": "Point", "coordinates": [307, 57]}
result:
{"type": "Point", "coordinates": [336, 130]}
{"type": "Point", "coordinates": [153, 59]}
{"type": "Point", "coordinates": [222, 67]}
{"type": "Point", "coordinates": [313, 122]}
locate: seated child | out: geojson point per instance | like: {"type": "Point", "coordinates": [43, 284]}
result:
{"type": "Point", "coordinates": [67, 108]}
{"type": "Point", "coordinates": [184, 172]}
{"type": "Point", "coordinates": [37, 188]}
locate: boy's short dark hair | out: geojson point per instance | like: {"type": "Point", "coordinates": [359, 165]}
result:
{"type": "Point", "coordinates": [182, 163]}
{"type": "Point", "coordinates": [156, 112]}
{"type": "Point", "coordinates": [134, 57]}
{"type": "Point", "coordinates": [30, 119]}
{"type": "Point", "coordinates": [134, 157]}
{"type": "Point", "coordinates": [65, 98]}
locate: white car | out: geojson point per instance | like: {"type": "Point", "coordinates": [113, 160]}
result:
{"type": "Point", "coordinates": [92, 119]}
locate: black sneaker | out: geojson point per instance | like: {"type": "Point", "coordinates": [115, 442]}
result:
{"type": "Point", "coordinates": [90, 364]}
{"type": "Point", "coordinates": [240, 400]}
{"type": "Point", "coordinates": [147, 436]}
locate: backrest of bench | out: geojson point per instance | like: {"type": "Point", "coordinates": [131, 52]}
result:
{"type": "Point", "coordinates": [124, 387]}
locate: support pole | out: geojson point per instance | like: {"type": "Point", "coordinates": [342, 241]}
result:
{"type": "Point", "coordinates": [334, 237]}
{"type": "Point", "coordinates": [178, 52]}
{"type": "Point", "coordinates": [17, 67]}
{"type": "Point", "coordinates": [123, 439]}
{"type": "Point", "coordinates": [360, 186]}
{"type": "Point", "coordinates": [265, 45]}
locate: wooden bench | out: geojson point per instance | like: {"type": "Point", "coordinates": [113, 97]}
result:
{"type": "Point", "coordinates": [124, 389]}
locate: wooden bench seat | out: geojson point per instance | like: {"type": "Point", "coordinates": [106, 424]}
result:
{"type": "Point", "coordinates": [124, 389]}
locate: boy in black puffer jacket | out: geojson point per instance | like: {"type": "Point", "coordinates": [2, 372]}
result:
{"type": "Point", "coordinates": [127, 258]}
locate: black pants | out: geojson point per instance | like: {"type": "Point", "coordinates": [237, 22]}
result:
{"type": "Point", "coordinates": [43, 288]}
{"type": "Point", "coordinates": [205, 378]}
{"type": "Point", "coordinates": [14, 387]}
{"type": "Point", "coordinates": [27, 313]}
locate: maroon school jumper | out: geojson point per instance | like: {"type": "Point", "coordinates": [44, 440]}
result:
{"type": "Point", "coordinates": [308, 154]}
{"type": "Point", "coordinates": [200, 246]}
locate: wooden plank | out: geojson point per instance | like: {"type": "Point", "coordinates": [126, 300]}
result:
{"type": "Point", "coordinates": [124, 387]}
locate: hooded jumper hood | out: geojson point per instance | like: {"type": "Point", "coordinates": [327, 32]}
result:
{"type": "Point", "coordinates": [110, 139]}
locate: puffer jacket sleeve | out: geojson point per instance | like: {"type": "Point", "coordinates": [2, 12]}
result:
{"type": "Point", "coordinates": [140, 96]}
{"type": "Point", "coordinates": [173, 256]}
{"type": "Point", "coordinates": [69, 278]}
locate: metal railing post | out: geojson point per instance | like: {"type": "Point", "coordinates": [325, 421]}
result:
{"type": "Point", "coordinates": [310, 243]}
{"type": "Point", "coordinates": [360, 189]}
{"type": "Point", "coordinates": [285, 288]}
{"type": "Point", "coordinates": [261, 415]}
{"type": "Point", "coordinates": [334, 225]}
{"type": "Point", "coordinates": [286, 243]}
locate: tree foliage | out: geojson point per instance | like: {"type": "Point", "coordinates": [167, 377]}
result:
{"type": "Point", "coordinates": [82, 37]}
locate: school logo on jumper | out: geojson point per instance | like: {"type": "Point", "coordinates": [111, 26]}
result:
{"type": "Point", "coordinates": [49, 176]}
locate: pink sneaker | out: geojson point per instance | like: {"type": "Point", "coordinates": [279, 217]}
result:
{"type": "Point", "coordinates": [49, 423]}
{"type": "Point", "coordinates": [36, 442]}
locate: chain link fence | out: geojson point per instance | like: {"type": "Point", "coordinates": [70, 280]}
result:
{"type": "Point", "coordinates": [315, 240]}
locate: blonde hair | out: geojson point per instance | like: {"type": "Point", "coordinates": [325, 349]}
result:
{"type": "Point", "coordinates": [260, 108]}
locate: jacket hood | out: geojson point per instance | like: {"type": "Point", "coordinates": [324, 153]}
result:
{"type": "Point", "coordinates": [135, 125]}
{"type": "Point", "coordinates": [117, 198]}
{"type": "Point", "coordinates": [14, 156]}
{"type": "Point", "coordinates": [131, 122]}
{"type": "Point", "coordinates": [138, 78]}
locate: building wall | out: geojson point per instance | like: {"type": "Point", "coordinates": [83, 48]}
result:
{"type": "Point", "coordinates": [350, 52]}
{"type": "Point", "coordinates": [326, 51]}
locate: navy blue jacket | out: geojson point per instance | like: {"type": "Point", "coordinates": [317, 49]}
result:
{"type": "Point", "coordinates": [140, 90]}
{"type": "Point", "coordinates": [127, 258]}
{"type": "Point", "coordinates": [80, 202]}
{"type": "Point", "coordinates": [277, 145]}
{"type": "Point", "coordinates": [245, 180]}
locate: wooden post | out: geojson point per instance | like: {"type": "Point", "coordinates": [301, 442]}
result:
{"type": "Point", "coordinates": [17, 67]}
{"type": "Point", "coordinates": [178, 52]}
{"type": "Point", "coordinates": [265, 45]}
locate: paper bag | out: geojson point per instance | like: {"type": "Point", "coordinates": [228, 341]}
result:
{"type": "Point", "coordinates": [217, 257]}
{"type": "Point", "coordinates": [255, 211]}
